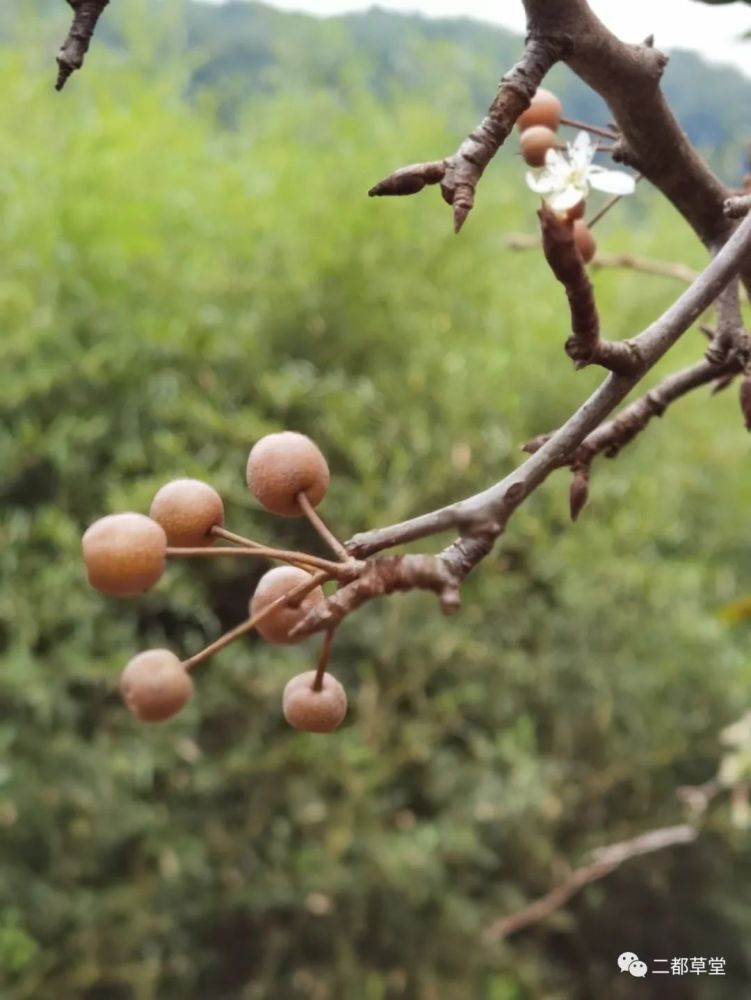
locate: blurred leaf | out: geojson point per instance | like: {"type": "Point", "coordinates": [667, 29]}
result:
{"type": "Point", "coordinates": [736, 611]}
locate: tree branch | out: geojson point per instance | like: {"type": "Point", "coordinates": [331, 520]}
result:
{"type": "Point", "coordinates": [443, 574]}
{"type": "Point", "coordinates": [628, 78]}
{"type": "Point", "coordinates": [730, 334]}
{"type": "Point", "coordinates": [491, 509]}
{"type": "Point", "coordinates": [613, 435]}
{"type": "Point", "coordinates": [605, 860]}
{"type": "Point", "coordinates": [662, 268]}
{"type": "Point", "coordinates": [628, 261]}
{"type": "Point", "coordinates": [460, 173]}
{"type": "Point", "coordinates": [584, 346]}
{"type": "Point", "coordinates": [86, 13]}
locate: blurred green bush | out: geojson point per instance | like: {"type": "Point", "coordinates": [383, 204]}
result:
{"type": "Point", "coordinates": [168, 293]}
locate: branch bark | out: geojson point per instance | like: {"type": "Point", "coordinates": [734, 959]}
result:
{"type": "Point", "coordinates": [605, 861]}
{"type": "Point", "coordinates": [584, 346]}
{"type": "Point", "coordinates": [628, 78]}
{"type": "Point", "coordinates": [613, 435]}
{"type": "Point", "coordinates": [460, 173]}
{"type": "Point", "coordinates": [494, 506]}
{"type": "Point", "coordinates": [730, 334]}
{"type": "Point", "coordinates": [86, 14]}
{"type": "Point", "coordinates": [737, 207]}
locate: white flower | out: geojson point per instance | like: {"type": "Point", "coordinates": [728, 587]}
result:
{"type": "Point", "coordinates": [564, 181]}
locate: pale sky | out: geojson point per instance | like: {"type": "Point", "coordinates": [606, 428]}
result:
{"type": "Point", "coordinates": [712, 30]}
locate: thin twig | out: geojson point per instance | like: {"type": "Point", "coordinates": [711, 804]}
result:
{"type": "Point", "coordinates": [628, 261]}
{"type": "Point", "coordinates": [663, 268]}
{"type": "Point", "coordinates": [605, 860]}
{"type": "Point", "coordinates": [610, 437]}
{"type": "Point", "coordinates": [613, 435]}
{"type": "Point", "coordinates": [606, 133]}
{"type": "Point", "coordinates": [323, 659]}
{"type": "Point", "coordinates": [611, 203]}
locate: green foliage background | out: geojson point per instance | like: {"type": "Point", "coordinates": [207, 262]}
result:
{"type": "Point", "coordinates": [171, 290]}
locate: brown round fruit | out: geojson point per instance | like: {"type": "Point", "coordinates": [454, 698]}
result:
{"type": "Point", "coordinates": [188, 509]}
{"type": "Point", "coordinates": [283, 465]}
{"type": "Point", "coordinates": [545, 109]}
{"type": "Point", "coordinates": [535, 142]}
{"type": "Point", "coordinates": [585, 241]}
{"type": "Point", "coordinates": [314, 711]}
{"type": "Point", "coordinates": [124, 554]}
{"type": "Point", "coordinates": [155, 685]}
{"type": "Point", "coordinates": [278, 624]}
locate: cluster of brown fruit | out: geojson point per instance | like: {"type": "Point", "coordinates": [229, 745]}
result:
{"type": "Point", "coordinates": [125, 555]}
{"type": "Point", "coordinates": [538, 126]}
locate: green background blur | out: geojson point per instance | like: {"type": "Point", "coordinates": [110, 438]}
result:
{"type": "Point", "coordinates": [176, 281]}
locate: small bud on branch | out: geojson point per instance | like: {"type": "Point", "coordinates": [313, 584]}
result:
{"type": "Point", "coordinates": [579, 490]}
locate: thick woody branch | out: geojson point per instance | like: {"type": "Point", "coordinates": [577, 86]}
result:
{"type": "Point", "coordinates": [494, 506]}
{"type": "Point", "coordinates": [460, 173]}
{"type": "Point", "coordinates": [584, 346]}
{"type": "Point", "coordinates": [628, 78]}
{"type": "Point", "coordinates": [387, 575]}
{"type": "Point", "coordinates": [652, 141]}
{"type": "Point", "coordinates": [442, 574]}
{"type": "Point", "coordinates": [86, 13]}
{"type": "Point", "coordinates": [604, 861]}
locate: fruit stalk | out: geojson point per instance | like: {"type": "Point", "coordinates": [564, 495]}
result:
{"type": "Point", "coordinates": [260, 552]}
{"type": "Point", "coordinates": [323, 659]}
{"type": "Point", "coordinates": [323, 530]}
{"type": "Point", "coordinates": [231, 536]}
{"type": "Point", "coordinates": [247, 626]}
{"type": "Point", "coordinates": [606, 133]}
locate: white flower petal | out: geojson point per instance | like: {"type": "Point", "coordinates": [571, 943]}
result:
{"type": "Point", "coordinates": [561, 201]}
{"type": "Point", "coordinates": [581, 151]}
{"type": "Point", "coordinates": [542, 182]}
{"type": "Point", "coordinates": [611, 181]}
{"type": "Point", "coordinates": [556, 163]}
